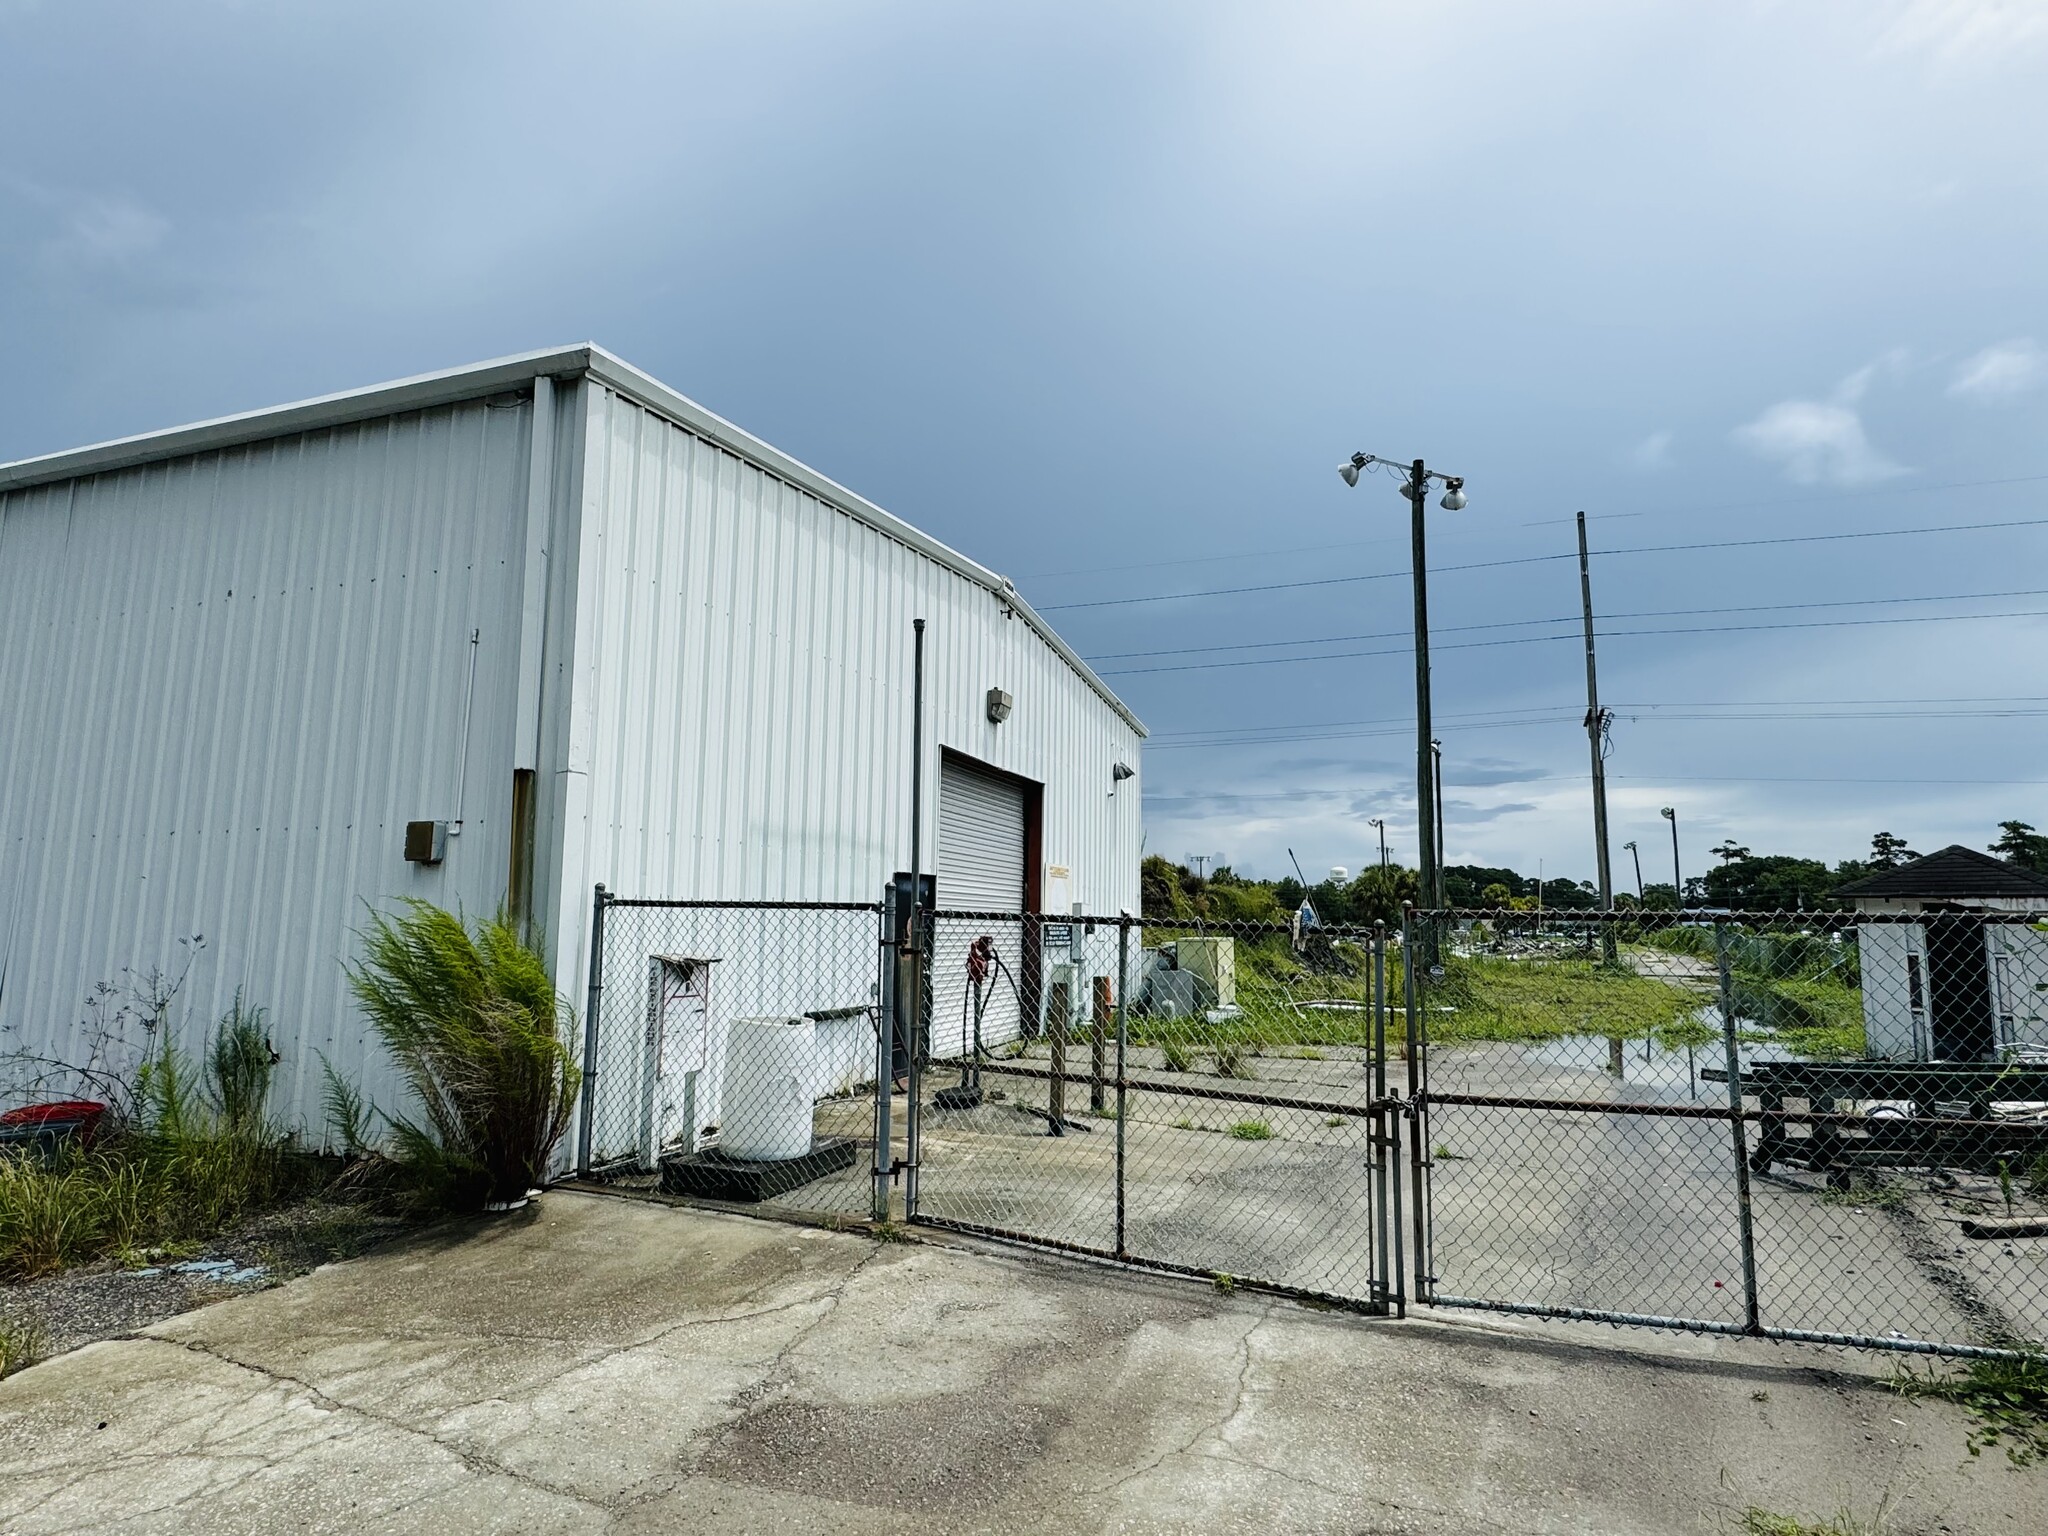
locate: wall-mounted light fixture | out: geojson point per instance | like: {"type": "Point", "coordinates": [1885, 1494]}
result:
{"type": "Point", "coordinates": [1118, 772]}
{"type": "Point", "coordinates": [998, 706]}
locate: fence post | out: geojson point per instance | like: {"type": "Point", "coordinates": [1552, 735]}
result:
{"type": "Point", "coordinates": [885, 1048]}
{"type": "Point", "coordinates": [1386, 1192]}
{"type": "Point", "coordinates": [923, 926]}
{"type": "Point", "coordinates": [591, 1004]}
{"type": "Point", "coordinates": [1057, 1006]}
{"type": "Point", "coordinates": [1098, 1042]}
{"type": "Point", "coordinates": [1418, 1102]}
{"type": "Point", "coordinates": [1123, 987]}
{"type": "Point", "coordinates": [1733, 1058]}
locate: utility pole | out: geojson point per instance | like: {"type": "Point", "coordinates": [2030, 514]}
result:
{"type": "Point", "coordinates": [1425, 821]}
{"type": "Point", "coordinates": [1436, 766]}
{"type": "Point", "coordinates": [1380, 822]}
{"type": "Point", "coordinates": [1670, 814]}
{"type": "Point", "coordinates": [1596, 729]}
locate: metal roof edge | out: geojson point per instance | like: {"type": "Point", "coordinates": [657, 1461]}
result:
{"type": "Point", "coordinates": [474, 380]}
{"type": "Point", "coordinates": [646, 390]}
{"type": "Point", "coordinates": [364, 404]}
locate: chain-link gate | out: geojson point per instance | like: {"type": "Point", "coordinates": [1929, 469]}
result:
{"type": "Point", "coordinates": [1198, 1099]}
{"type": "Point", "coordinates": [1827, 1127]}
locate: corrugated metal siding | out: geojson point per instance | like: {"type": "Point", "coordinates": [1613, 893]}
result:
{"type": "Point", "coordinates": [740, 727]}
{"type": "Point", "coordinates": [226, 682]}
{"type": "Point", "coordinates": [748, 687]}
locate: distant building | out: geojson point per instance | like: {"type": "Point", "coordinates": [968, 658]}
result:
{"type": "Point", "coordinates": [1955, 990]}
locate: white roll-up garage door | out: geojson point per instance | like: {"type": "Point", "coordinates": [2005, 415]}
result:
{"type": "Point", "coordinates": [981, 841]}
{"type": "Point", "coordinates": [980, 869]}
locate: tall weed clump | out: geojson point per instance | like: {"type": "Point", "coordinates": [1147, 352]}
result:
{"type": "Point", "coordinates": [196, 1151]}
{"type": "Point", "coordinates": [470, 1016]}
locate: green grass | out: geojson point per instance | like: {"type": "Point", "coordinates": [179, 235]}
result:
{"type": "Point", "coordinates": [1550, 999]}
{"type": "Point", "coordinates": [199, 1155]}
{"type": "Point", "coordinates": [1252, 1130]}
{"type": "Point", "coordinates": [1870, 1194]}
{"type": "Point", "coordinates": [1233, 1060]}
{"type": "Point", "coordinates": [1756, 1521]}
{"type": "Point", "coordinates": [21, 1344]}
{"type": "Point", "coordinates": [2007, 1401]}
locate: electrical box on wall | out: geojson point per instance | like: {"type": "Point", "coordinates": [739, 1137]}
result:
{"type": "Point", "coordinates": [426, 842]}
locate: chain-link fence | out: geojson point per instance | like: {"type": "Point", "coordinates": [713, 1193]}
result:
{"type": "Point", "coordinates": [1825, 1126]}
{"type": "Point", "coordinates": [1199, 1099]}
{"type": "Point", "coordinates": [1809, 1126]}
{"type": "Point", "coordinates": [730, 1051]}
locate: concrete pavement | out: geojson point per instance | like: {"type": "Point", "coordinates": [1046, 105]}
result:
{"type": "Point", "coordinates": [601, 1364]}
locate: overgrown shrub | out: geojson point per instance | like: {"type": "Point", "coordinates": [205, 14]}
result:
{"type": "Point", "coordinates": [470, 1016]}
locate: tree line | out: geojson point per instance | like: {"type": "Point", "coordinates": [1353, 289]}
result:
{"type": "Point", "coordinates": [1741, 880]}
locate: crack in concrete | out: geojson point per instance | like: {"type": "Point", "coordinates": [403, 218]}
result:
{"type": "Point", "coordinates": [472, 1460]}
{"type": "Point", "coordinates": [1244, 1344]}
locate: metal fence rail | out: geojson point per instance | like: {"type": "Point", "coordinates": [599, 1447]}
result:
{"type": "Point", "coordinates": [1826, 1127]}
{"type": "Point", "coordinates": [1734, 1123]}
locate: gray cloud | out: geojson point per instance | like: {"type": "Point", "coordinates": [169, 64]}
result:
{"type": "Point", "coordinates": [1999, 372]}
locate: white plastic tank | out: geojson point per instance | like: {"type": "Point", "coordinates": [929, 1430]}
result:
{"type": "Point", "coordinates": [766, 1105]}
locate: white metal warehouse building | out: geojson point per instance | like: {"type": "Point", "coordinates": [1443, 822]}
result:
{"type": "Point", "coordinates": [600, 633]}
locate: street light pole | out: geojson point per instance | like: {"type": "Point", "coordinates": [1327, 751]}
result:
{"type": "Point", "coordinates": [1425, 797]}
{"type": "Point", "coordinates": [1637, 855]}
{"type": "Point", "coordinates": [1427, 815]}
{"type": "Point", "coordinates": [1381, 823]}
{"type": "Point", "coordinates": [1670, 814]}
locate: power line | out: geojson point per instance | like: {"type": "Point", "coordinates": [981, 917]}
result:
{"type": "Point", "coordinates": [1481, 714]}
{"type": "Point", "coordinates": [1470, 645]}
{"type": "Point", "coordinates": [1573, 618]}
{"type": "Point", "coordinates": [1688, 511]}
{"type": "Point", "coordinates": [1353, 792]}
{"type": "Point", "coordinates": [1484, 565]}
{"type": "Point", "coordinates": [1574, 718]}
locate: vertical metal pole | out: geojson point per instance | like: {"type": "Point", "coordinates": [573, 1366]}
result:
{"type": "Point", "coordinates": [590, 1007]}
{"type": "Point", "coordinates": [1057, 1007]}
{"type": "Point", "coordinates": [1677, 879]}
{"type": "Point", "coordinates": [1123, 976]}
{"type": "Point", "coordinates": [1418, 1103]}
{"type": "Point", "coordinates": [1436, 790]}
{"type": "Point", "coordinates": [917, 762]}
{"type": "Point", "coordinates": [1425, 798]}
{"type": "Point", "coordinates": [1099, 1005]}
{"type": "Point", "coordinates": [1387, 1282]}
{"type": "Point", "coordinates": [885, 1048]}
{"type": "Point", "coordinates": [1733, 1060]}
{"type": "Point", "coordinates": [921, 927]}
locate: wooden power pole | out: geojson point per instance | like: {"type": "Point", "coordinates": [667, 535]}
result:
{"type": "Point", "coordinates": [1596, 729]}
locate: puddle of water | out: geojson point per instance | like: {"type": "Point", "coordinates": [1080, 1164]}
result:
{"type": "Point", "coordinates": [1666, 1074]}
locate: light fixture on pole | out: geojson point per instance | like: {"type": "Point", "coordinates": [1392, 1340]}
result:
{"type": "Point", "coordinates": [1381, 824]}
{"type": "Point", "coordinates": [1638, 857]}
{"type": "Point", "coordinates": [1670, 814]}
{"type": "Point", "coordinates": [1416, 489]}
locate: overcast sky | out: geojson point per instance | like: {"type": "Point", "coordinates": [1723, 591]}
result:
{"type": "Point", "coordinates": [1102, 293]}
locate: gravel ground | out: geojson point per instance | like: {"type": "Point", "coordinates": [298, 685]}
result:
{"type": "Point", "coordinates": [107, 1301]}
